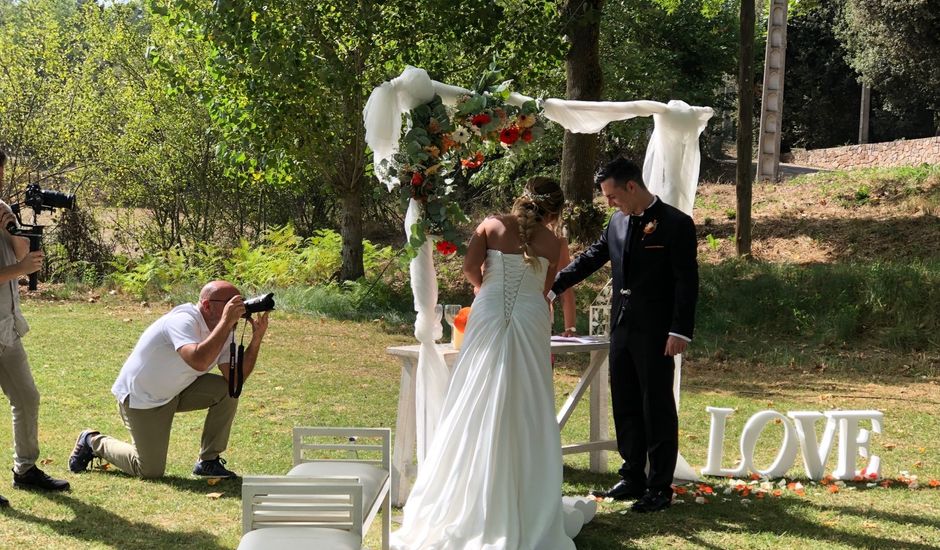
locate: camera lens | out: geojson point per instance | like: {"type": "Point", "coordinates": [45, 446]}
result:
{"type": "Point", "coordinates": [57, 199]}
{"type": "Point", "coordinates": [259, 304]}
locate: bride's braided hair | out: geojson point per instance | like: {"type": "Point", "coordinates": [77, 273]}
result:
{"type": "Point", "coordinates": [542, 197]}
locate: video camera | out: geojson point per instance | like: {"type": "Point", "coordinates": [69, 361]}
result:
{"type": "Point", "coordinates": [39, 200]}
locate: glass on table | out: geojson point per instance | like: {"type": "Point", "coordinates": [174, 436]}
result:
{"type": "Point", "coordinates": [438, 314]}
{"type": "Point", "coordinates": [450, 312]}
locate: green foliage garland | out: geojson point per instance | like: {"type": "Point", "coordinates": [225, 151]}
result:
{"type": "Point", "coordinates": [442, 141]}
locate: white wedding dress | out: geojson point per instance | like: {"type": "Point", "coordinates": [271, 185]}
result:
{"type": "Point", "coordinates": [491, 478]}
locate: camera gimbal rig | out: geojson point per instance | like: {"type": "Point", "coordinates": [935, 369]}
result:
{"type": "Point", "coordinates": [39, 200]}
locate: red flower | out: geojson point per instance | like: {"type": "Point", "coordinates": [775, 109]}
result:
{"type": "Point", "coordinates": [527, 135]}
{"type": "Point", "coordinates": [481, 119]}
{"type": "Point", "coordinates": [509, 135]}
{"type": "Point", "coordinates": [417, 179]}
{"type": "Point", "coordinates": [446, 247]}
{"type": "Point", "coordinates": [474, 162]}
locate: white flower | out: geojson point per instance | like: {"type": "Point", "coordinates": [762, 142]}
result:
{"type": "Point", "coordinates": [475, 129]}
{"type": "Point", "coordinates": [460, 135]}
{"type": "Point", "coordinates": [745, 501]}
{"type": "Point", "coordinates": [700, 500]}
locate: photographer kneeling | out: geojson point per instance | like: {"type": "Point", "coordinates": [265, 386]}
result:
{"type": "Point", "coordinates": [168, 372]}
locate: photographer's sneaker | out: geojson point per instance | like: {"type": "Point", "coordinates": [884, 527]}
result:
{"type": "Point", "coordinates": [34, 478]}
{"type": "Point", "coordinates": [213, 468]}
{"type": "Point", "coordinates": [82, 454]}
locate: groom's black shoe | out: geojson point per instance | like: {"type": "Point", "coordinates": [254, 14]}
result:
{"type": "Point", "coordinates": [653, 501]}
{"type": "Point", "coordinates": [623, 490]}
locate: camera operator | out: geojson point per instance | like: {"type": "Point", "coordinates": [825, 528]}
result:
{"type": "Point", "coordinates": [169, 372]}
{"type": "Point", "coordinates": [16, 378]}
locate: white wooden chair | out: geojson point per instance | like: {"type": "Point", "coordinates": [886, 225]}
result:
{"type": "Point", "coordinates": [327, 502]}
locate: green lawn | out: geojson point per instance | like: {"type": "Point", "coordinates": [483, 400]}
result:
{"type": "Point", "coordinates": [331, 373]}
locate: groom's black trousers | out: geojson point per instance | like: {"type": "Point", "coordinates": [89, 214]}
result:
{"type": "Point", "coordinates": [644, 407]}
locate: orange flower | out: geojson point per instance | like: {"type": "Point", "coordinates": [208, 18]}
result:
{"type": "Point", "coordinates": [755, 476]}
{"type": "Point", "coordinates": [681, 490]}
{"type": "Point", "coordinates": [934, 483]}
{"type": "Point", "coordinates": [826, 480]}
{"type": "Point", "coordinates": [833, 488]}
{"type": "Point", "coordinates": [474, 162]}
{"type": "Point", "coordinates": [447, 143]}
{"type": "Point", "coordinates": [460, 321]}
{"type": "Point", "coordinates": [777, 492]}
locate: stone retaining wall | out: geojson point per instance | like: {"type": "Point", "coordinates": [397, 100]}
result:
{"type": "Point", "coordinates": [908, 152]}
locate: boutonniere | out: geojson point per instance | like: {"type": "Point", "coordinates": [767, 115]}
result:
{"type": "Point", "coordinates": [649, 228]}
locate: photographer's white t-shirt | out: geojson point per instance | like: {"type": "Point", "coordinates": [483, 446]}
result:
{"type": "Point", "coordinates": [155, 372]}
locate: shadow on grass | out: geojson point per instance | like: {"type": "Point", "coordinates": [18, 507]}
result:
{"type": "Point", "coordinates": [95, 524]}
{"type": "Point", "coordinates": [230, 488]}
{"type": "Point", "coordinates": [700, 525]}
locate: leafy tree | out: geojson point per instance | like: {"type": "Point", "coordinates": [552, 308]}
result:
{"type": "Point", "coordinates": [821, 107]}
{"type": "Point", "coordinates": [286, 81]}
{"type": "Point", "coordinates": [895, 47]}
{"type": "Point", "coordinates": [40, 100]}
{"type": "Point", "coordinates": [663, 50]}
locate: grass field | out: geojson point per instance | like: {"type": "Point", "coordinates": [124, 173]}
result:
{"type": "Point", "coordinates": [839, 310]}
{"type": "Point", "coordinates": [323, 372]}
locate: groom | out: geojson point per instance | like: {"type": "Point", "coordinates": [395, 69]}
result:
{"type": "Point", "coordinates": [651, 247]}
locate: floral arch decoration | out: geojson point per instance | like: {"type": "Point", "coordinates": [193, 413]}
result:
{"type": "Point", "coordinates": [443, 140]}
{"type": "Point", "coordinates": [436, 110]}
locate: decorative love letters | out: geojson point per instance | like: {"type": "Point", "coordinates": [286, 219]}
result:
{"type": "Point", "coordinates": [799, 426]}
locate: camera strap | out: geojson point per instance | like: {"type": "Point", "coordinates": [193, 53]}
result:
{"type": "Point", "coordinates": [236, 365]}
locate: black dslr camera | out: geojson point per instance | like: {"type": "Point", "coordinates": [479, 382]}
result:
{"type": "Point", "coordinates": [259, 304]}
{"type": "Point", "coordinates": [39, 200]}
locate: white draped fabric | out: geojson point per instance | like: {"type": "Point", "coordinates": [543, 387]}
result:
{"type": "Point", "coordinates": [670, 169]}
{"type": "Point", "coordinates": [432, 374]}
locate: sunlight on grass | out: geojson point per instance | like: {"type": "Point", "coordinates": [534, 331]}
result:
{"type": "Point", "coordinates": [335, 373]}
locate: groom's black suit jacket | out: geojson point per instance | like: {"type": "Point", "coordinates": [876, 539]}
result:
{"type": "Point", "coordinates": [655, 272]}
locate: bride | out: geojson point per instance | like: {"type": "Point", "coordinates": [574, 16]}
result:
{"type": "Point", "coordinates": [491, 478]}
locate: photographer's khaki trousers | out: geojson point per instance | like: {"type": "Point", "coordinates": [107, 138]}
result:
{"type": "Point", "coordinates": [150, 428]}
{"type": "Point", "coordinates": [17, 382]}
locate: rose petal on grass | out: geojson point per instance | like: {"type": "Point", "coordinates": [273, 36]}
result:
{"type": "Point", "coordinates": [214, 496]}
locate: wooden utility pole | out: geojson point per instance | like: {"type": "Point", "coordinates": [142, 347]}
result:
{"type": "Point", "coordinates": [771, 112]}
{"type": "Point", "coordinates": [864, 115]}
{"type": "Point", "coordinates": [742, 228]}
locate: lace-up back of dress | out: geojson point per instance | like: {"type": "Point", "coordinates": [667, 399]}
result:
{"type": "Point", "coordinates": [513, 276]}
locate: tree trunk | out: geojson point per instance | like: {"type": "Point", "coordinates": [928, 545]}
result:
{"type": "Point", "coordinates": [584, 81]}
{"type": "Point", "coordinates": [351, 230]}
{"type": "Point", "coordinates": [742, 228]}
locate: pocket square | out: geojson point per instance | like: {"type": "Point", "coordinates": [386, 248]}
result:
{"type": "Point", "coordinates": [655, 246]}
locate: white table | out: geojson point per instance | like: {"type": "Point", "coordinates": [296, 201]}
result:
{"type": "Point", "coordinates": [595, 376]}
